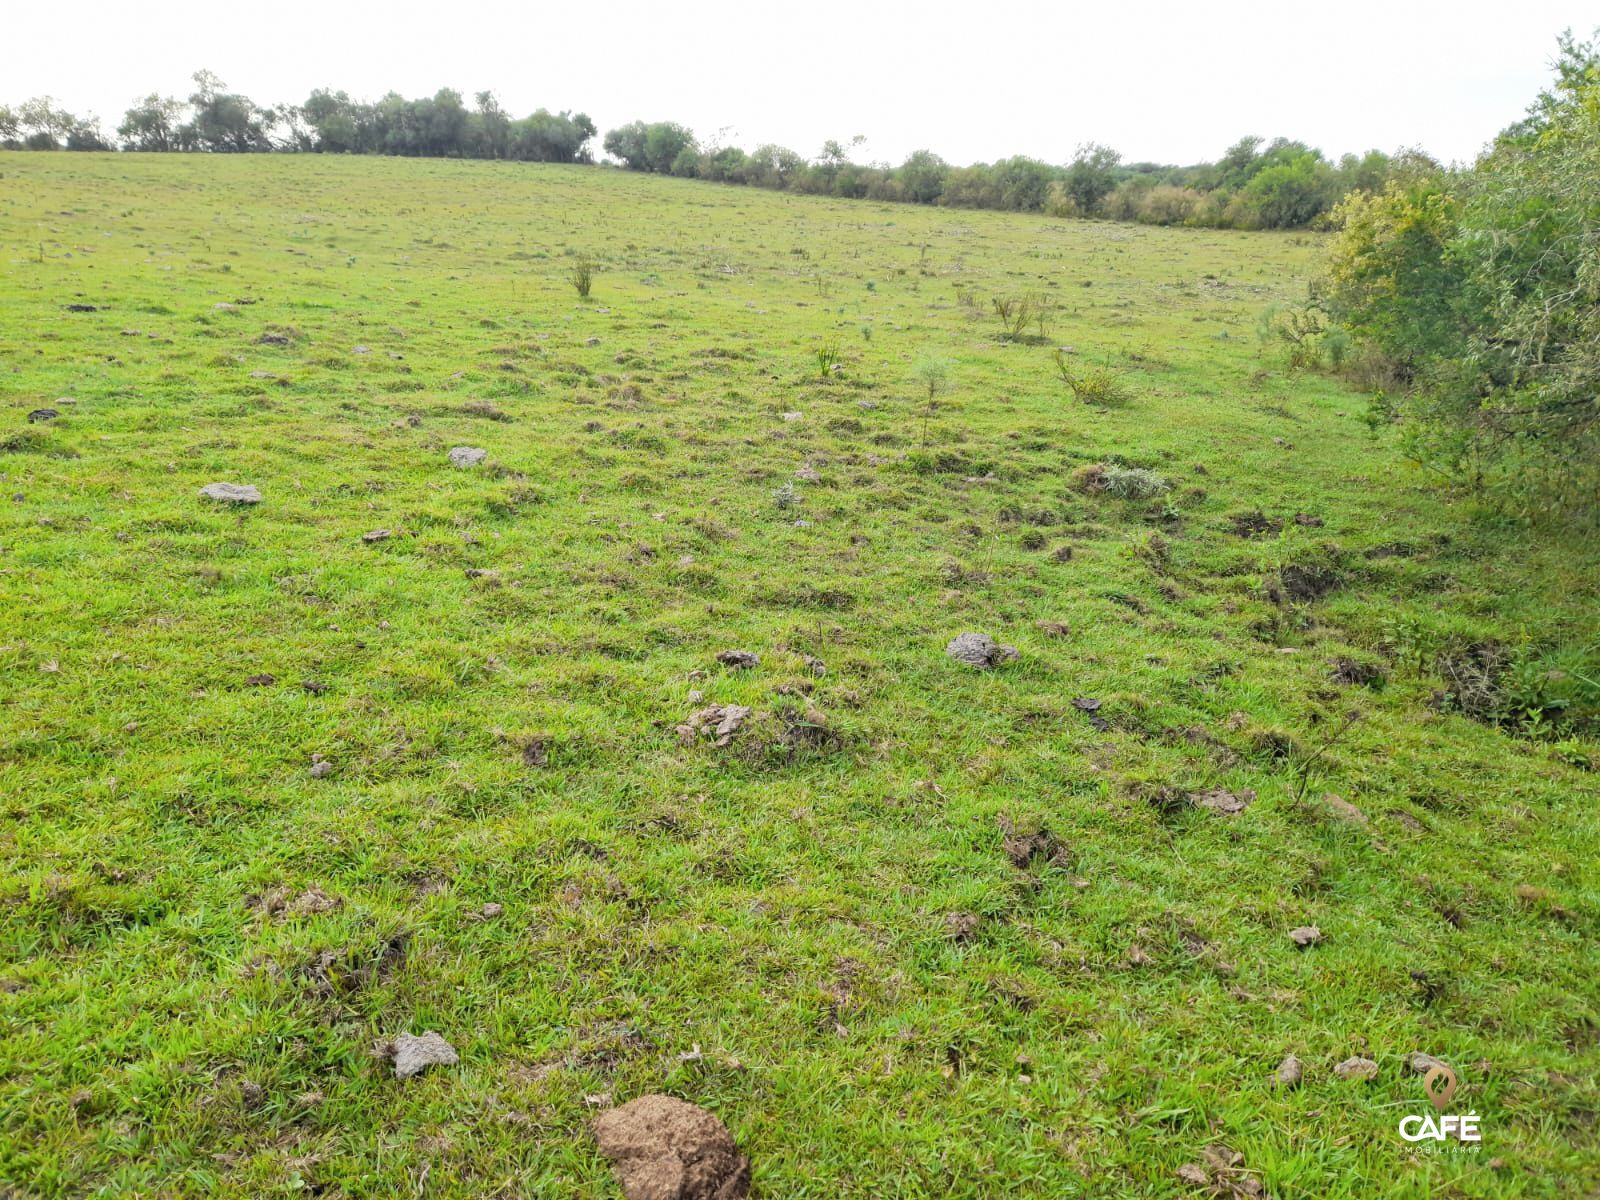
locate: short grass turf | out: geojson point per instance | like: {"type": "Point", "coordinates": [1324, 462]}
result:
{"type": "Point", "coordinates": [202, 942]}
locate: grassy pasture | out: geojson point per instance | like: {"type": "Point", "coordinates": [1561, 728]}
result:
{"type": "Point", "coordinates": [816, 930]}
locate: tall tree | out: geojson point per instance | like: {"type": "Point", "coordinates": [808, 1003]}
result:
{"type": "Point", "coordinates": [151, 124]}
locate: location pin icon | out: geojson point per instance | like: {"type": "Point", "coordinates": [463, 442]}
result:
{"type": "Point", "coordinates": [1440, 1084]}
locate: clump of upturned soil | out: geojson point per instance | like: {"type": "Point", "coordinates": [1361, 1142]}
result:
{"type": "Point", "coordinates": [1304, 582]}
{"type": "Point", "coordinates": [412, 1054]}
{"type": "Point", "coordinates": [1357, 673]}
{"type": "Point", "coordinates": [716, 722]}
{"type": "Point", "coordinates": [663, 1148]}
{"type": "Point", "coordinates": [1024, 849]}
{"type": "Point", "coordinates": [961, 926]}
{"type": "Point", "coordinates": [1221, 800]}
{"type": "Point", "coordinates": [283, 901]}
{"type": "Point", "coordinates": [1253, 524]}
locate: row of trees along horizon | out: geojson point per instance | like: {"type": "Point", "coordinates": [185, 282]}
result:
{"type": "Point", "coordinates": [1256, 184]}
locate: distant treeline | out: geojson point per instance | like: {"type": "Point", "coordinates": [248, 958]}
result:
{"type": "Point", "coordinates": [1255, 185]}
{"type": "Point", "coordinates": [215, 120]}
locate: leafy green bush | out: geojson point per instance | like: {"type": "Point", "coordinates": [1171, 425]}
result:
{"type": "Point", "coordinates": [1481, 289]}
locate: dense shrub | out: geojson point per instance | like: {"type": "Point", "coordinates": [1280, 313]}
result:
{"type": "Point", "coordinates": [1480, 289]}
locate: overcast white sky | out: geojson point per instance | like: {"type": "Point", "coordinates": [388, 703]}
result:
{"type": "Point", "coordinates": [1171, 82]}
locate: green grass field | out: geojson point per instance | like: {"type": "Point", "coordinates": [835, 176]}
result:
{"type": "Point", "coordinates": [815, 931]}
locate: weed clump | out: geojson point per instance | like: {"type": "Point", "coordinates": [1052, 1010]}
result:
{"type": "Point", "coordinates": [583, 276]}
{"type": "Point", "coordinates": [1131, 483]}
{"type": "Point", "coordinates": [1093, 385]}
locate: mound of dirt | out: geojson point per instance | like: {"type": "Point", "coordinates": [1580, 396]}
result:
{"type": "Point", "coordinates": [979, 650]}
{"type": "Point", "coordinates": [1303, 582]}
{"type": "Point", "coordinates": [413, 1055]}
{"type": "Point", "coordinates": [663, 1148]}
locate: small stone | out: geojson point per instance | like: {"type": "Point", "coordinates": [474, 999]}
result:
{"type": "Point", "coordinates": [491, 910]}
{"type": "Point", "coordinates": [738, 660]}
{"type": "Point", "coordinates": [232, 493]}
{"type": "Point", "coordinates": [663, 1148]}
{"type": "Point", "coordinates": [262, 375]}
{"type": "Point", "coordinates": [467, 456]}
{"type": "Point", "coordinates": [377, 535]}
{"type": "Point", "coordinates": [1221, 800]}
{"type": "Point", "coordinates": [1305, 935]}
{"type": "Point", "coordinates": [321, 769]}
{"type": "Point", "coordinates": [361, 350]}
{"type": "Point", "coordinates": [808, 475]}
{"type": "Point", "coordinates": [1357, 1068]}
{"type": "Point", "coordinates": [791, 416]}
{"type": "Point", "coordinates": [979, 650]}
{"type": "Point", "coordinates": [413, 1055]}
{"type": "Point", "coordinates": [1423, 1063]}
{"type": "Point", "coordinates": [1290, 1072]}
{"type": "Point", "coordinates": [42, 414]}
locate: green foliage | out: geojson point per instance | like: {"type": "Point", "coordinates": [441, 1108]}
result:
{"type": "Point", "coordinates": [152, 124]}
{"type": "Point", "coordinates": [1132, 483]}
{"type": "Point", "coordinates": [583, 275]}
{"type": "Point", "coordinates": [1092, 384]}
{"type": "Point", "coordinates": [1304, 334]}
{"type": "Point", "coordinates": [1017, 313]}
{"type": "Point", "coordinates": [1481, 290]}
{"type": "Point", "coordinates": [657, 146]}
{"type": "Point", "coordinates": [932, 374]}
{"type": "Point", "coordinates": [1090, 176]}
